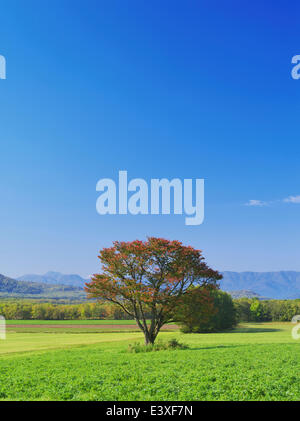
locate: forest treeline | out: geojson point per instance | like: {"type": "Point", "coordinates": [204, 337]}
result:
{"type": "Point", "coordinates": [246, 310]}
{"type": "Point", "coordinates": [253, 310]}
{"type": "Point", "coordinates": [17, 310]}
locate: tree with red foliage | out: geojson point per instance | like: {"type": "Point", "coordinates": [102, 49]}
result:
{"type": "Point", "coordinates": [150, 278]}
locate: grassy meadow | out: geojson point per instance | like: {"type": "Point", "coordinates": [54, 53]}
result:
{"type": "Point", "coordinates": [257, 361]}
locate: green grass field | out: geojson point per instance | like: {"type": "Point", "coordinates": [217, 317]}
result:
{"type": "Point", "coordinates": [253, 362]}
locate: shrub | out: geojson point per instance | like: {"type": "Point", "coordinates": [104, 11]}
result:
{"type": "Point", "coordinates": [193, 319]}
{"type": "Point", "coordinates": [172, 344]}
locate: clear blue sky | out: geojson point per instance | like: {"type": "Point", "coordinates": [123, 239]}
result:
{"type": "Point", "coordinates": [188, 89]}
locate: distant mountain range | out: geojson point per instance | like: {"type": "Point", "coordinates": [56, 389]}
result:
{"type": "Point", "coordinates": [55, 278]}
{"type": "Point", "coordinates": [12, 288]}
{"type": "Point", "coordinates": [278, 285]}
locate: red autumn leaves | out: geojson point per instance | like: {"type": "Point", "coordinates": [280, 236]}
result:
{"type": "Point", "coordinates": [150, 277]}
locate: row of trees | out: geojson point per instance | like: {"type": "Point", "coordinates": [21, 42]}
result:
{"type": "Point", "coordinates": [48, 311]}
{"type": "Point", "coordinates": [251, 310]}
{"type": "Point", "coordinates": [201, 311]}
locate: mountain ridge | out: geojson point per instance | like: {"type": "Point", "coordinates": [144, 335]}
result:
{"type": "Point", "coordinates": [275, 285]}
{"type": "Point", "coordinates": [12, 288]}
{"type": "Point", "coordinates": [55, 278]}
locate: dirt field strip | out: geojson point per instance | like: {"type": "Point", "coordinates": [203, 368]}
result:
{"type": "Point", "coordinates": [100, 326]}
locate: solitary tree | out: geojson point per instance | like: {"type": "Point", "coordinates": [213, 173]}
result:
{"type": "Point", "coordinates": [149, 279]}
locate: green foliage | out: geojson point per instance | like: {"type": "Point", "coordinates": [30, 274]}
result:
{"type": "Point", "coordinates": [257, 311]}
{"type": "Point", "coordinates": [220, 316]}
{"type": "Point", "coordinates": [172, 344]}
{"type": "Point", "coordinates": [270, 310]}
{"type": "Point", "coordinates": [242, 309]}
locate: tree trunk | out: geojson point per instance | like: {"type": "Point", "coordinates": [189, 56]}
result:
{"type": "Point", "coordinates": [149, 339]}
